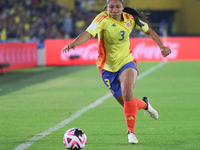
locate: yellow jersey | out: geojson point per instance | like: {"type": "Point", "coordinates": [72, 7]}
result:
{"type": "Point", "coordinates": [113, 40]}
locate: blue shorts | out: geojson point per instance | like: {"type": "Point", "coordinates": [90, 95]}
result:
{"type": "Point", "coordinates": [111, 79]}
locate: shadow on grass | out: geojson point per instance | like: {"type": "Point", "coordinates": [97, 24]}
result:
{"type": "Point", "coordinates": [19, 79]}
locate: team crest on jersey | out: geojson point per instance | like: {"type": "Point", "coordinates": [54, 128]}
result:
{"type": "Point", "coordinates": [128, 25]}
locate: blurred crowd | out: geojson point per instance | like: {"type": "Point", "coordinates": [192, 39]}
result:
{"type": "Point", "coordinates": [37, 20]}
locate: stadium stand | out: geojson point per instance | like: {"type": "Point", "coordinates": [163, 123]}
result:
{"type": "Point", "coordinates": [37, 20]}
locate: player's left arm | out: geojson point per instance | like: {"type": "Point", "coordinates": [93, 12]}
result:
{"type": "Point", "coordinates": [165, 51]}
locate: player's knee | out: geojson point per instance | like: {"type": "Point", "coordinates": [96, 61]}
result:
{"type": "Point", "coordinates": [127, 94]}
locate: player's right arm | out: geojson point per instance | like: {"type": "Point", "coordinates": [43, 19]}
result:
{"type": "Point", "coordinates": [82, 38]}
{"type": "Point", "coordinates": [95, 27]}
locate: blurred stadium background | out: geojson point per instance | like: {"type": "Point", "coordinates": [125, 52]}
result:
{"type": "Point", "coordinates": [28, 21]}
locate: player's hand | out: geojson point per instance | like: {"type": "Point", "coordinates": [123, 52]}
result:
{"type": "Point", "coordinates": [165, 51]}
{"type": "Point", "coordinates": [68, 48]}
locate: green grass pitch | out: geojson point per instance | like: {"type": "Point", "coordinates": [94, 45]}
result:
{"type": "Point", "coordinates": [36, 99]}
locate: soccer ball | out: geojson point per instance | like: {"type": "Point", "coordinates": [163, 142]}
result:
{"type": "Point", "coordinates": [74, 139]}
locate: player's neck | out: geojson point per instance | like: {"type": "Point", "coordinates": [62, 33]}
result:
{"type": "Point", "coordinates": [120, 18]}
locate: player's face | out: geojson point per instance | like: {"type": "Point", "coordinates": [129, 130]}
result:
{"type": "Point", "coordinates": [115, 8]}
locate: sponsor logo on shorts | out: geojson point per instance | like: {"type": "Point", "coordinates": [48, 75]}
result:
{"type": "Point", "coordinates": [112, 91]}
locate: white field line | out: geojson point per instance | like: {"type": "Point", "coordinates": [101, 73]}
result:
{"type": "Point", "coordinates": [37, 137]}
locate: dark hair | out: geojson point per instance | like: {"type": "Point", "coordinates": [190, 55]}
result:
{"type": "Point", "coordinates": [136, 15]}
{"type": "Point", "coordinates": [134, 12]}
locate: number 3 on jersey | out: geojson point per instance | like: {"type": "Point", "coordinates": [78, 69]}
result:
{"type": "Point", "coordinates": [122, 34]}
{"type": "Point", "coordinates": [107, 83]}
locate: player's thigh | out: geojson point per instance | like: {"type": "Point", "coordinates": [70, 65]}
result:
{"type": "Point", "coordinates": [127, 81]}
{"type": "Point", "coordinates": [128, 78]}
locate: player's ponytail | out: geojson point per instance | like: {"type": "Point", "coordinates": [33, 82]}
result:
{"type": "Point", "coordinates": [136, 15]}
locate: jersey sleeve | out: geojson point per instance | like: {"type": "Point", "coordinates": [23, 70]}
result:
{"type": "Point", "coordinates": [144, 28]}
{"type": "Point", "coordinates": [97, 24]}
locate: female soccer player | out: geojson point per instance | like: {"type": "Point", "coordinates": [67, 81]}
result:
{"type": "Point", "coordinates": [117, 65]}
